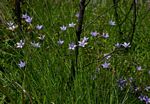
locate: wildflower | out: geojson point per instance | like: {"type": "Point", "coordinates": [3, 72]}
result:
{"type": "Point", "coordinates": [107, 56]}
{"type": "Point", "coordinates": [94, 34]}
{"type": "Point", "coordinates": [122, 83]}
{"type": "Point", "coordinates": [85, 39]}
{"type": "Point", "coordinates": [39, 27]}
{"type": "Point", "coordinates": [20, 44]}
{"type": "Point", "coordinates": [24, 16]}
{"type": "Point", "coordinates": [105, 65]}
{"type": "Point", "coordinates": [77, 15]}
{"type": "Point", "coordinates": [105, 35]}
{"type": "Point", "coordinates": [72, 24]}
{"type": "Point", "coordinates": [118, 45]}
{"type": "Point", "coordinates": [11, 26]}
{"type": "Point", "coordinates": [41, 37]}
{"type": "Point", "coordinates": [36, 45]}
{"type": "Point", "coordinates": [147, 88]}
{"type": "Point", "coordinates": [139, 68]}
{"type": "Point", "coordinates": [63, 28]}
{"type": "Point", "coordinates": [146, 99]}
{"type": "Point", "coordinates": [72, 46]}
{"type": "Point", "coordinates": [126, 45]}
{"type": "Point", "coordinates": [60, 42]}
{"type": "Point", "coordinates": [22, 64]}
{"type": "Point", "coordinates": [10, 23]}
{"type": "Point", "coordinates": [82, 43]}
{"type": "Point", "coordinates": [28, 19]}
{"type": "Point", "coordinates": [112, 23]}
{"type": "Point", "coordinates": [141, 97]}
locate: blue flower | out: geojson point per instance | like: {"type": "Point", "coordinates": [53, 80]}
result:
{"type": "Point", "coordinates": [24, 16]}
{"type": "Point", "coordinates": [139, 68]}
{"type": "Point", "coordinates": [63, 28]}
{"type": "Point", "coordinates": [22, 64]}
{"type": "Point", "coordinates": [118, 45]}
{"type": "Point", "coordinates": [94, 34]}
{"type": "Point", "coordinates": [146, 99]}
{"type": "Point", "coordinates": [126, 45]}
{"type": "Point", "coordinates": [28, 19]}
{"type": "Point", "coordinates": [11, 26]}
{"type": "Point", "coordinates": [72, 24]}
{"type": "Point", "coordinates": [121, 83]}
{"type": "Point", "coordinates": [105, 65]}
{"type": "Point", "coordinates": [112, 23]}
{"type": "Point", "coordinates": [36, 45]}
{"type": "Point", "coordinates": [85, 39]}
{"type": "Point", "coordinates": [72, 46]}
{"type": "Point", "coordinates": [83, 42]}
{"type": "Point", "coordinates": [39, 27]}
{"type": "Point", "coordinates": [60, 42]}
{"type": "Point", "coordinates": [20, 44]}
{"type": "Point", "coordinates": [105, 35]}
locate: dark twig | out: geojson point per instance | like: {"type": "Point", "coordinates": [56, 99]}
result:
{"type": "Point", "coordinates": [79, 28]}
{"type": "Point", "coordinates": [18, 13]}
{"type": "Point", "coordinates": [134, 21]}
{"type": "Point", "coordinates": [74, 62]}
{"type": "Point", "coordinates": [101, 59]}
{"type": "Point", "coordinates": [87, 3]}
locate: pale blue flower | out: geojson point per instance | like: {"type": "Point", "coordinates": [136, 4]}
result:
{"type": "Point", "coordinates": [82, 43]}
{"type": "Point", "coordinates": [20, 44]}
{"type": "Point", "coordinates": [39, 27]}
{"type": "Point", "coordinates": [105, 35]}
{"type": "Point", "coordinates": [118, 45]}
{"type": "Point", "coordinates": [11, 26]}
{"type": "Point", "coordinates": [22, 64]}
{"type": "Point", "coordinates": [36, 45]}
{"type": "Point", "coordinates": [126, 45]}
{"type": "Point", "coordinates": [10, 23]}
{"type": "Point", "coordinates": [147, 88]}
{"type": "Point", "coordinates": [139, 68]}
{"type": "Point", "coordinates": [72, 46]}
{"type": "Point", "coordinates": [146, 99]}
{"type": "Point", "coordinates": [94, 34]}
{"type": "Point", "coordinates": [122, 83]}
{"type": "Point", "coordinates": [60, 42]}
{"type": "Point", "coordinates": [105, 65]}
{"type": "Point", "coordinates": [63, 28]}
{"type": "Point", "coordinates": [77, 15]}
{"type": "Point", "coordinates": [24, 16]}
{"type": "Point", "coordinates": [28, 19]}
{"type": "Point", "coordinates": [85, 39]}
{"type": "Point", "coordinates": [141, 97]}
{"type": "Point", "coordinates": [41, 37]}
{"type": "Point", "coordinates": [72, 24]}
{"type": "Point", "coordinates": [112, 23]}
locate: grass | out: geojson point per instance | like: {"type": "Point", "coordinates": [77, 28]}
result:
{"type": "Point", "coordinates": [46, 76]}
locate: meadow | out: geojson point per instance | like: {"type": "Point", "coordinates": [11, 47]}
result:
{"type": "Point", "coordinates": [45, 60]}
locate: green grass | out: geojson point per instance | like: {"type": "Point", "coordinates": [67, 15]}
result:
{"type": "Point", "coordinates": [45, 78]}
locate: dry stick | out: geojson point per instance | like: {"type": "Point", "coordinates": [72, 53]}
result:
{"type": "Point", "coordinates": [79, 28]}
{"type": "Point", "coordinates": [18, 13]}
{"type": "Point", "coordinates": [134, 21]}
{"type": "Point", "coordinates": [74, 63]}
